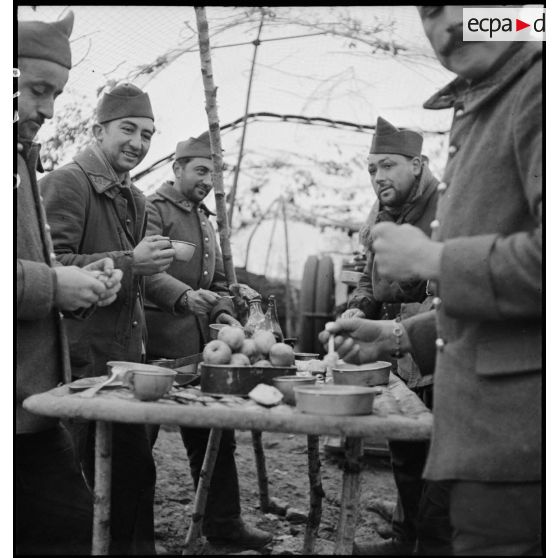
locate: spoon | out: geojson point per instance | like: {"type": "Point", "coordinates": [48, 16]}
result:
{"type": "Point", "coordinates": [332, 357]}
{"type": "Point", "coordinates": [115, 374]}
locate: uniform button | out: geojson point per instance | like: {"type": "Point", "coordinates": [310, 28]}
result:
{"type": "Point", "coordinates": [452, 149]}
{"type": "Point", "coordinates": [42, 199]}
{"type": "Point", "coordinates": [134, 323]}
{"type": "Point", "coordinates": [459, 113]}
{"type": "Point", "coordinates": [206, 255]}
{"type": "Point", "coordinates": [205, 272]}
{"type": "Point", "coordinates": [436, 302]}
{"type": "Point", "coordinates": [203, 223]}
{"type": "Point", "coordinates": [128, 221]}
{"type": "Point", "coordinates": [440, 343]}
{"type": "Point", "coordinates": [442, 187]}
{"type": "Point", "coordinates": [52, 256]}
{"type": "Point", "coordinates": [206, 239]}
{"type": "Point", "coordinates": [47, 227]}
{"type": "Point", "coordinates": [435, 224]}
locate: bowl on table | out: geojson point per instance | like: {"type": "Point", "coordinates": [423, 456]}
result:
{"type": "Point", "coordinates": [306, 356]}
{"type": "Point", "coordinates": [285, 385]}
{"type": "Point", "coordinates": [372, 374]}
{"type": "Point", "coordinates": [334, 400]}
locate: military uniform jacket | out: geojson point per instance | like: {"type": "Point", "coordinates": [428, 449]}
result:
{"type": "Point", "coordinates": [41, 351]}
{"type": "Point", "coordinates": [487, 393]}
{"type": "Point", "coordinates": [89, 220]}
{"type": "Point", "coordinates": [170, 334]}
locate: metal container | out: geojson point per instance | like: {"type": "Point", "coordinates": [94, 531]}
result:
{"type": "Point", "coordinates": [328, 399]}
{"type": "Point", "coordinates": [306, 356]}
{"type": "Point", "coordinates": [214, 330]}
{"type": "Point", "coordinates": [285, 385]}
{"type": "Point", "coordinates": [373, 374]}
{"type": "Point", "coordinates": [290, 341]}
{"type": "Point", "coordinates": [238, 380]}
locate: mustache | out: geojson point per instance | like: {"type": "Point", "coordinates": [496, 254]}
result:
{"type": "Point", "coordinates": [455, 39]}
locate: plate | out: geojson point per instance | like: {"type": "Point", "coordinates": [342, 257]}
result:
{"type": "Point", "coordinates": [86, 383]}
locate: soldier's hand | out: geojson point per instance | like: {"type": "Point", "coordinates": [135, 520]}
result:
{"type": "Point", "coordinates": [353, 313]}
{"type": "Point", "coordinates": [360, 341]}
{"type": "Point", "coordinates": [202, 301]}
{"type": "Point", "coordinates": [76, 288]}
{"type": "Point", "coordinates": [405, 253]}
{"type": "Point", "coordinates": [152, 255]}
{"type": "Point", "coordinates": [224, 318]}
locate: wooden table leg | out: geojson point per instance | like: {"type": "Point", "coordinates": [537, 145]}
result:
{"type": "Point", "coordinates": [350, 497]}
{"type": "Point", "coordinates": [261, 472]}
{"type": "Point", "coordinates": [316, 495]}
{"type": "Point", "coordinates": [101, 491]}
{"type": "Point", "coordinates": [193, 538]}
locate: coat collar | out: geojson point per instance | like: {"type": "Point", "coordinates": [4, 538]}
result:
{"type": "Point", "coordinates": [477, 94]}
{"type": "Point", "coordinates": [170, 193]}
{"type": "Point", "coordinates": [30, 151]}
{"type": "Point", "coordinates": [101, 175]}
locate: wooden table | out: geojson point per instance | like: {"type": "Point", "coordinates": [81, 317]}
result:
{"type": "Point", "coordinates": [398, 415]}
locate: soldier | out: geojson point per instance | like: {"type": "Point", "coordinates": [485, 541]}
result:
{"type": "Point", "coordinates": [485, 261]}
{"type": "Point", "coordinates": [406, 193]}
{"type": "Point", "coordinates": [95, 211]}
{"type": "Point", "coordinates": [53, 504]}
{"type": "Point", "coordinates": [193, 294]}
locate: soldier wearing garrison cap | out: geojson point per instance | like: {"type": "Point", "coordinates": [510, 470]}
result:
{"type": "Point", "coordinates": [94, 211]}
{"type": "Point", "coordinates": [406, 193]}
{"type": "Point", "coordinates": [53, 504]}
{"type": "Point", "coordinates": [180, 305]}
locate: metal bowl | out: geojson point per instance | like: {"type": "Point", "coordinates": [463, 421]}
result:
{"type": "Point", "coordinates": [238, 380]}
{"type": "Point", "coordinates": [285, 385]}
{"type": "Point", "coordinates": [214, 330]}
{"type": "Point", "coordinates": [334, 400]}
{"type": "Point", "coordinates": [373, 374]}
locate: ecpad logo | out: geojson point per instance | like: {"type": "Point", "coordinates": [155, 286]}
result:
{"type": "Point", "coordinates": [504, 24]}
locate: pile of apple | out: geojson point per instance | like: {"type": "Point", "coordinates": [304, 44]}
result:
{"type": "Point", "coordinates": [232, 347]}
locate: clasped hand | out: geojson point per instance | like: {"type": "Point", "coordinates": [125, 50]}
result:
{"type": "Point", "coordinates": [97, 283]}
{"type": "Point", "coordinates": [405, 253]}
{"type": "Point", "coordinates": [153, 255]}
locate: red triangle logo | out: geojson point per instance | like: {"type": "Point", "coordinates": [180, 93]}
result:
{"type": "Point", "coordinates": [519, 25]}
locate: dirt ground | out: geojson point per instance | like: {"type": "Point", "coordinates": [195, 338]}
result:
{"type": "Point", "coordinates": [286, 461]}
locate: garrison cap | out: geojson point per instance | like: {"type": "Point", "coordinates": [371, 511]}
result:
{"type": "Point", "coordinates": [125, 100]}
{"type": "Point", "coordinates": [46, 41]}
{"type": "Point", "coordinates": [389, 139]}
{"type": "Point", "coordinates": [194, 147]}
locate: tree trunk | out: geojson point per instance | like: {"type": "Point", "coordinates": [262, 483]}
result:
{"type": "Point", "coordinates": [215, 140]}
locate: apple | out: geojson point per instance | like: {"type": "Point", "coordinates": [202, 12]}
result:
{"type": "Point", "coordinates": [262, 363]}
{"type": "Point", "coordinates": [250, 349]}
{"type": "Point", "coordinates": [232, 336]}
{"type": "Point", "coordinates": [238, 359]}
{"type": "Point", "coordinates": [217, 352]}
{"type": "Point", "coordinates": [264, 340]}
{"type": "Point", "coordinates": [281, 355]}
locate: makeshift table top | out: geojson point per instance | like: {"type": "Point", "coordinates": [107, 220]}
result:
{"type": "Point", "coordinates": [398, 414]}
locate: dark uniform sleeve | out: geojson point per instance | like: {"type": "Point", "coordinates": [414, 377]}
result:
{"type": "Point", "coordinates": [66, 201]}
{"type": "Point", "coordinates": [363, 296]}
{"type": "Point", "coordinates": [162, 289]}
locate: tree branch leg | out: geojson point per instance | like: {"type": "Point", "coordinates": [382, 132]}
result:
{"type": "Point", "coordinates": [350, 496]}
{"type": "Point", "coordinates": [193, 538]}
{"type": "Point", "coordinates": [101, 489]}
{"type": "Point", "coordinates": [316, 495]}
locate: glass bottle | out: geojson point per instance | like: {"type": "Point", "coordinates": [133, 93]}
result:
{"type": "Point", "coordinates": [271, 319]}
{"type": "Point", "coordinates": [256, 317]}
